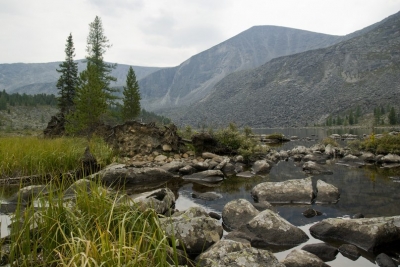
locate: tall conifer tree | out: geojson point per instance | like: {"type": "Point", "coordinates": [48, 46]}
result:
{"type": "Point", "coordinates": [131, 101]}
{"type": "Point", "coordinates": [67, 82]}
{"type": "Point", "coordinates": [97, 45]}
{"type": "Point", "coordinates": [90, 103]}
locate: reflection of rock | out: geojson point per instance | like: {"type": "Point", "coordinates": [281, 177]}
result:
{"type": "Point", "coordinates": [238, 212]}
{"type": "Point", "coordinates": [327, 193]}
{"type": "Point", "coordinates": [349, 251]}
{"type": "Point", "coordinates": [365, 233]}
{"type": "Point", "coordinates": [209, 176]}
{"type": "Point", "coordinates": [290, 191]}
{"type": "Point", "coordinates": [227, 253]}
{"type": "Point", "coordinates": [302, 258]}
{"type": "Point", "coordinates": [322, 250]}
{"type": "Point", "coordinates": [193, 229]}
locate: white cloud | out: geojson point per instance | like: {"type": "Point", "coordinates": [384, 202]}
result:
{"type": "Point", "coordinates": [165, 33]}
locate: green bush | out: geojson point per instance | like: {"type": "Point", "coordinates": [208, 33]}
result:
{"type": "Point", "coordinates": [383, 145]}
{"type": "Point", "coordinates": [330, 141]}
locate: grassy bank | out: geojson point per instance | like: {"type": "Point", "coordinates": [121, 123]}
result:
{"type": "Point", "coordinates": [94, 228]}
{"type": "Point", "coordinates": [378, 145]}
{"type": "Point", "coordinates": [24, 156]}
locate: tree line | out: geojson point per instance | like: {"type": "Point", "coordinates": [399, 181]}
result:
{"type": "Point", "coordinates": [16, 99]}
{"type": "Point", "coordinates": [87, 99]}
{"type": "Point", "coordinates": [382, 116]}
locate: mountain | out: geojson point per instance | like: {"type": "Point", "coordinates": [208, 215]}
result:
{"type": "Point", "coordinates": [34, 78]}
{"type": "Point", "coordinates": [195, 78]}
{"type": "Point", "coordinates": [305, 88]}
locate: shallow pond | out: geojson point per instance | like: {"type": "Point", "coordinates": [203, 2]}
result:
{"type": "Point", "coordinates": [367, 190]}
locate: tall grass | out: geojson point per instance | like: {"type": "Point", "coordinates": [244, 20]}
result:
{"type": "Point", "coordinates": [23, 156]}
{"type": "Point", "coordinates": [93, 230]}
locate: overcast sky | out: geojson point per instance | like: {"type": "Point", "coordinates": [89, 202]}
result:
{"type": "Point", "coordinates": [166, 32]}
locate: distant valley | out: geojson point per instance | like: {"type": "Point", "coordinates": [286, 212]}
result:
{"type": "Point", "coordinates": [267, 76]}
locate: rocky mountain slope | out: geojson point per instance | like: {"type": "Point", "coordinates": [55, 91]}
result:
{"type": "Point", "coordinates": [305, 88]}
{"type": "Point", "coordinates": [35, 78]}
{"type": "Point", "coordinates": [195, 78]}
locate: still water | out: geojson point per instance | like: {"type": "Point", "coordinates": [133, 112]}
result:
{"type": "Point", "coordinates": [367, 190]}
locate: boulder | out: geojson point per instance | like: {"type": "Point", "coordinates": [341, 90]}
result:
{"type": "Point", "coordinates": [302, 258]}
{"type": "Point", "coordinates": [290, 191]}
{"type": "Point", "coordinates": [173, 166]}
{"type": "Point", "coordinates": [384, 260]}
{"type": "Point", "coordinates": [208, 155]}
{"type": "Point", "coordinates": [322, 250]}
{"type": "Point", "coordinates": [300, 150]}
{"type": "Point", "coordinates": [331, 151]}
{"type": "Point", "coordinates": [312, 167]}
{"type": "Point", "coordinates": [201, 166]}
{"type": "Point", "coordinates": [269, 229]}
{"type": "Point", "coordinates": [390, 158]}
{"type": "Point", "coordinates": [263, 205]}
{"type": "Point", "coordinates": [309, 213]}
{"type": "Point", "coordinates": [284, 155]}
{"type": "Point", "coordinates": [316, 157]}
{"type": "Point", "coordinates": [227, 253]}
{"type": "Point", "coordinates": [368, 157]}
{"type": "Point", "coordinates": [245, 174]}
{"type": "Point", "coordinates": [229, 169]}
{"type": "Point", "coordinates": [368, 234]}
{"type": "Point", "coordinates": [261, 167]}
{"type": "Point", "coordinates": [121, 174]}
{"type": "Point", "coordinates": [318, 148]}
{"type": "Point", "coordinates": [80, 185]}
{"type": "Point", "coordinates": [187, 170]}
{"type": "Point", "coordinates": [193, 229]}
{"type": "Point", "coordinates": [349, 251]}
{"type": "Point", "coordinates": [209, 196]}
{"type": "Point", "coordinates": [209, 176]}
{"type": "Point", "coordinates": [326, 193]}
{"type": "Point", "coordinates": [161, 200]}
{"type": "Point", "coordinates": [238, 212]}
{"type": "Point", "coordinates": [350, 157]}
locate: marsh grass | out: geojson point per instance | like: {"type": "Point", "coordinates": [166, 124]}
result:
{"type": "Point", "coordinates": [92, 229]}
{"type": "Point", "coordinates": [383, 145]}
{"type": "Point", "coordinates": [25, 156]}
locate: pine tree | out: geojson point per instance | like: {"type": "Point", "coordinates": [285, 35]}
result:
{"type": "Point", "coordinates": [97, 45]}
{"type": "Point", "coordinates": [392, 116]}
{"type": "Point", "coordinates": [90, 103]}
{"type": "Point", "coordinates": [67, 82]}
{"type": "Point", "coordinates": [131, 101]}
{"type": "Point", "coordinates": [351, 118]}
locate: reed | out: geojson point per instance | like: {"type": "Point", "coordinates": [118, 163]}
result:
{"type": "Point", "coordinates": [92, 229]}
{"type": "Point", "coordinates": [25, 156]}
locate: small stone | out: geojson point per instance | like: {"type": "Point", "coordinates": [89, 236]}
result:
{"type": "Point", "coordinates": [166, 148]}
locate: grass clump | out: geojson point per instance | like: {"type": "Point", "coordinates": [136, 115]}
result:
{"type": "Point", "coordinates": [92, 229]}
{"type": "Point", "coordinates": [239, 142]}
{"type": "Point", "coordinates": [25, 156]}
{"type": "Point", "coordinates": [330, 141]}
{"type": "Point", "coordinates": [382, 145]}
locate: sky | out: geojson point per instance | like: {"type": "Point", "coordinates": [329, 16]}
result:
{"type": "Point", "coordinates": [165, 33]}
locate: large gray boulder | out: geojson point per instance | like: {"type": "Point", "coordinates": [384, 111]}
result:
{"type": "Point", "coordinates": [290, 191]}
{"type": "Point", "coordinates": [326, 193]}
{"type": "Point", "coordinates": [161, 200]}
{"type": "Point", "coordinates": [322, 250]}
{"type": "Point", "coordinates": [121, 174]}
{"type": "Point", "coordinates": [390, 158]}
{"type": "Point", "coordinates": [229, 253]}
{"type": "Point", "coordinates": [238, 212]}
{"type": "Point", "coordinates": [193, 229]}
{"type": "Point", "coordinates": [300, 150]}
{"type": "Point", "coordinates": [28, 193]}
{"type": "Point", "coordinates": [302, 258]}
{"type": "Point", "coordinates": [366, 233]}
{"type": "Point", "coordinates": [269, 229]}
{"type": "Point", "coordinates": [173, 166]}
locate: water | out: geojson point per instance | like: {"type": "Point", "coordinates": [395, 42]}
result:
{"type": "Point", "coordinates": [367, 190]}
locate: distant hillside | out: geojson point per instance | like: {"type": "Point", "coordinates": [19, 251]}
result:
{"type": "Point", "coordinates": [195, 78]}
{"type": "Point", "coordinates": [305, 88]}
{"type": "Point", "coordinates": [36, 78]}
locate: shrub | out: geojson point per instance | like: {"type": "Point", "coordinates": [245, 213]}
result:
{"type": "Point", "coordinates": [383, 145]}
{"type": "Point", "coordinates": [330, 141]}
